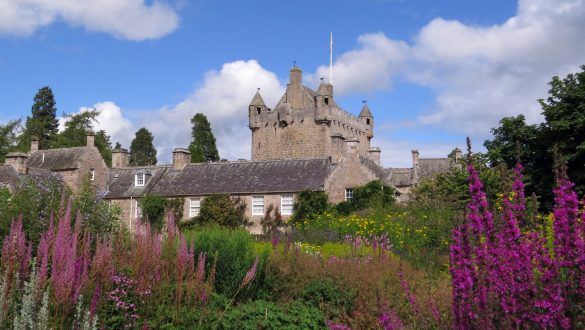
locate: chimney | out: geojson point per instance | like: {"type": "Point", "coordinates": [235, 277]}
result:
{"type": "Point", "coordinates": [120, 158]}
{"type": "Point", "coordinates": [374, 154]}
{"type": "Point", "coordinates": [90, 140]}
{"type": "Point", "coordinates": [415, 158]}
{"type": "Point", "coordinates": [34, 144]}
{"type": "Point", "coordinates": [181, 157]}
{"type": "Point", "coordinates": [17, 160]}
{"type": "Point", "coordinates": [457, 154]}
{"type": "Point", "coordinates": [294, 89]}
{"type": "Point", "coordinates": [415, 167]}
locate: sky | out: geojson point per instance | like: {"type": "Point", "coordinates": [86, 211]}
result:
{"type": "Point", "coordinates": [432, 71]}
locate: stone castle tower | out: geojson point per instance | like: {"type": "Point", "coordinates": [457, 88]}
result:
{"type": "Point", "coordinates": [308, 124]}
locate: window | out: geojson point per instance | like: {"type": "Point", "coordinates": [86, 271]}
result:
{"type": "Point", "coordinates": [194, 206]}
{"type": "Point", "coordinates": [348, 194]}
{"type": "Point", "coordinates": [286, 204]}
{"type": "Point", "coordinates": [92, 174]}
{"type": "Point", "coordinates": [326, 100]}
{"type": "Point", "coordinates": [137, 209]}
{"type": "Point", "coordinates": [257, 205]}
{"type": "Point", "coordinates": [368, 121]}
{"type": "Point", "coordinates": [258, 110]}
{"type": "Point", "coordinates": [139, 180]}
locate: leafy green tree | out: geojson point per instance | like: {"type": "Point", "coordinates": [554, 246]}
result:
{"type": "Point", "coordinates": [308, 204]}
{"type": "Point", "coordinates": [142, 151]}
{"type": "Point", "coordinates": [153, 209]}
{"type": "Point", "coordinates": [98, 216]}
{"type": "Point", "coordinates": [43, 123]}
{"type": "Point", "coordinates": [202, 148]}
{"type": "Point", "coordinates": [373, 195]}
{"type": "Point", "coordinates": [223, 210]}
{"type": "Point", "coordinates": [77, 127]}
{"type": "Point", "coordinates": [8, 137]}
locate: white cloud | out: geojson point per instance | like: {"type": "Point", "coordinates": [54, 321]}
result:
{"type": "Point", "coordinates": [478, 73]}
{"type": "Point", "coordinates": [223, 97]}
{"type": "Point", "coordinates": [127, 19]}
{"type": "Point", "coordinates": [368, 68]}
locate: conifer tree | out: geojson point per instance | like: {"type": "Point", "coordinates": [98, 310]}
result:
{"type": "Point", "coordinates": [8, 137]}
{"type": "Point", "coordinates": [142, 151]}
{"type": "Point", "coordinates": [43, 123]}
{"type": "Point", "coordinates": [202, 148]}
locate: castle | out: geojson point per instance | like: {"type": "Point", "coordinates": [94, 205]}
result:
{"type": "Point", "coordinates": [307, 141]}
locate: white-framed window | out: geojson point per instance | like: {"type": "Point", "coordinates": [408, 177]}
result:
{"type": "Point", "coordinates": [92, 174]}
{"type": "Point", "coordinates": [286, 204]}
{"type": "Point", "coordinates": [194, 206]}
{"type": "Point", "coordinates": [139, 180]}
{"type": "Point", "coordinates": [348, 194]}
{"type": "Point", "coordinates": [257, 205]}
{"type": "Point", "coordinates": [137, 209]}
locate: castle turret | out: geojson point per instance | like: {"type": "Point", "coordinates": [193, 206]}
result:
{"type": "Point", "coordinates": [368, 119]}
{"type": "Point", "coordinates": [255, 110]}
{"type": "Point", "coordinates": [324, 101]}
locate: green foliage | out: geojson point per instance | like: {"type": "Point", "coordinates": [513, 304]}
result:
{"type": "Point", "coordinates": [98, 216]}
{"type": "Point", "coordinates": [262, 314]}
{"type": "Point", "coordinates": [202, 148]}
{"type": "Point", "coordinates": [175, 207]}
{"type": "Point", "coordinates": [153, 209]}
{"type": "Point", "coordinates": [77, 127]}
{"type": "Point", "coordinates": [43, 123]}
{"type": "Point", "coordinates": [8, 137]}
{"type": "Point", "coordinates": [221, 209]}
{"type": "Point", "coordinates": [564, 114]}
{"type": "Point", "coordinates": [142, 151]}
{"type": "Point", "coordinates": [374, 194]}
{"type": "Point", "coordinates": [330, 298]}
{"type": "Point", "coordinates": [308, 204]}
{"type": "Point", "coordinates": [35, 199]}
{"type": "Point", "coordinates": [234, 252]}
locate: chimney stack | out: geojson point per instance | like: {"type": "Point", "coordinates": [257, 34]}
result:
{"type": "Point", "coordinates": [90, 140]}
{"type": "Point", "coordinates": [374, 154]}
{"type": "Point", "coordinates": [181, 157]}
{"type": "Point", "coordinates": [34, 144]}
{"type": "Point", "coordinates": [17, 160]}
{"type": "Point", "coordinates": [120, 158]}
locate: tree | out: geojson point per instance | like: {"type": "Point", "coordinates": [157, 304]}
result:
{"type": "Point", "coordinates": [43, 123]}
{"type": "Point", "coordinates": [308, 204]}
{"type": "Point", "coordinates": [223, 210]}
{"type": "Point", "coordinates": [77, 127]}
{"type": "Point", "coordinates": [98, 216]}
{"type": "Point", "coordinates": [8, 137]}
{"type": "Point", "coordinates": [202, 148]}
{"type": "Point", "coordinates": [142, 151]}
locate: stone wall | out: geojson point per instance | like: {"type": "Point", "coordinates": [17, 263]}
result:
{"type": "Point", "coordinates": [349, 173]}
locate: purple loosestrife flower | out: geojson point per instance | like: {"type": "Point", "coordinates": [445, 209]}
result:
{"type": "Point", "coordinates": [15, 251]}
{"type": "Point", "coordinates": [406, 288]}
{"type": "Point", "coordinates": [462, 278]}
{"type": "Point", "coordinates": [390, 321]}
{"type": "Point", "coordinates": [43, 252]}
{"type": "Point", "coordinates": [94, 301]}
{"type": "Point", "coordinates": [337, 326]}
{"type": "Point", "coordinates": [201, 267]}
{"type": "Point", "coordinates": [251, 273]}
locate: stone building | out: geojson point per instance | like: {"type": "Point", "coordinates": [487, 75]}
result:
{"type": "Point", "coordinates": [72, 164]}
{"type": "Point", "coordinates": [307, 141]}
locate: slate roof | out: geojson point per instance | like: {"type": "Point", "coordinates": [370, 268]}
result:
{"type": "Point", "coordinates": [56, 159]}
{"type": "Point", "coordinates": [121, 181]}
{"type": "Point", "coordinates": [257, 100]}
{"type": "Point", "coordinates": [8, 176]}
{"type": "Point", "coordinates": [365, 111]}
{"type": "Point", "coordinates": [432, 166]}
{"type": "Point", "coordinates": [245, 177]}
{"type": "Point", "coordinates": [400, 177]}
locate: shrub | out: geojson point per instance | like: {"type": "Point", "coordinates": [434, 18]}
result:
{"type": "Point", "coordinates": [221, 209]}
{"type": "Point", "coordinates": [233, 252]}
{"type": "Point", "coordinates": [272, 221]}
{"type": "Point", "coordinates": [262, 314]}
{"type": "Point", "coordinates": [373, 195]}
{"type": "Point", "coordinates": [308, 204]}
{"type": "Point", "coordinates": [153, 209]}
{"type": "Point", "coordinates": [329, 297]}
{"type": "Point", "coordinates": [99, 217]}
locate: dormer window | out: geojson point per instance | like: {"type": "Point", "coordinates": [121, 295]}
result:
{"type": "Point", "coordinates": [326, 100]}
{"type": "Point", "coordinates": [258, 110]}
{"type": "Point", "coordinates": [92, 174]}
{"type": "Point", "coordinates": [139, 180]}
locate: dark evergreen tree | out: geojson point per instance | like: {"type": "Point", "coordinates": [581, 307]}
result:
{"type": "Point", "coordinates": [43, 123]}
{"type": "Point", "coordinates": [142, 151]}
{"type": "Point", "coordinates": [202, 148]}
{"type": "Point", "coordinates": [8, 137]}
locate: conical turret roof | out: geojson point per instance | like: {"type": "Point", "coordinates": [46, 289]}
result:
{"type": "Point", "coordinates": [257, 100]}
{"type": "Point", "coordinates": [366, 111]}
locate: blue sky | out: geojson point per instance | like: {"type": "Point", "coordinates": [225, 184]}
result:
{"type": "Point", "coordinates": [433, 72]}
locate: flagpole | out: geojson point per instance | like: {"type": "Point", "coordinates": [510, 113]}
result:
{"type": "Point", "coordinates": [331, 58]}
